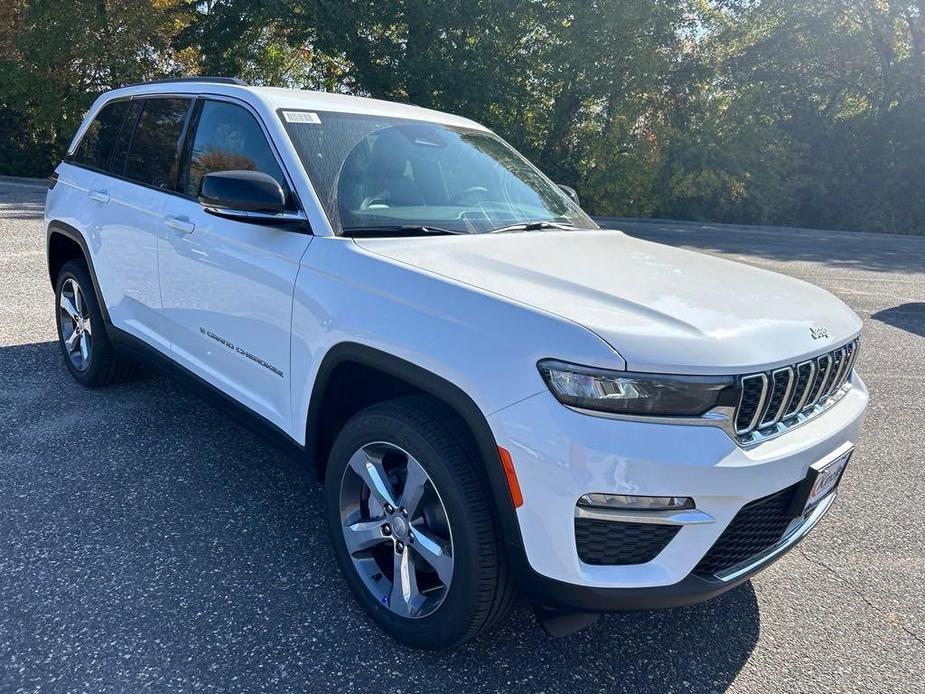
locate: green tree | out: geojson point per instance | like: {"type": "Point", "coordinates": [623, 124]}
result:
{"type": "Point", "coordinates": [58, 56]}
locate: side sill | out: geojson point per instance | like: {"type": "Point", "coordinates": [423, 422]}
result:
{"type": "Point", "coordinates": [252, 421]}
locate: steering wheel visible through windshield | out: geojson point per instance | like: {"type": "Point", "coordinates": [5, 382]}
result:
{"type": "Point", "coordinates": [393, 175]}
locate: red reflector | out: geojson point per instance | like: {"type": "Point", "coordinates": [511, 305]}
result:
{"type": "Point", "coordinates": [512, 484]}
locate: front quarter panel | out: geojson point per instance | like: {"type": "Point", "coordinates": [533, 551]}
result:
{"type": "Point", "coordinates": [485, 345]}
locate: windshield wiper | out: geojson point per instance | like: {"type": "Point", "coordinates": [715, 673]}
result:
{"type": "Point", "coordinates": [533, 226]}
{"type": "Point", "coordinates": [409, 229]}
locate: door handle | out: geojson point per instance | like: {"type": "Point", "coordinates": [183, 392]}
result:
{"type": "Point", "coordinates": [184, 226]}
{"type": "Point", "coordinates": [99, 195]}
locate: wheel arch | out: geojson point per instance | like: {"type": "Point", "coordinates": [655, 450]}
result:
{"type": "Point", "coordinates": [64, 243]}
{"type": "Point", "coordinates": [409, 378]}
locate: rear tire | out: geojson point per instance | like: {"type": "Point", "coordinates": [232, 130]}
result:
{"type": "Point", "coordinates": [88, 352]}
{"type": "Point", "coordinates": [416, 438]}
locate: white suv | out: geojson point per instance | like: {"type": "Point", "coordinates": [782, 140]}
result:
{"type": "Point", "coordinates": [499, 396]}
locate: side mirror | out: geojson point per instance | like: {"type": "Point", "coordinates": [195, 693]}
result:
{"type": "Point", "coordinates": [243, 191]}
{"type": "Point", "coordinates": [248, 196]}
{"type": "Point", "coordinates": [571, 192]}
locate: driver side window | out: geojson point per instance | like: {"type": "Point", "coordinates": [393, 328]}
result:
{"type": "Point", "coordinates": [228, 138]}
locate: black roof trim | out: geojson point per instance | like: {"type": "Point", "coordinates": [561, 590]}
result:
{"type": "Point", "coordinates": [213, 80]}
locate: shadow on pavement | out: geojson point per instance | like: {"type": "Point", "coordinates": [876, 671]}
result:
{"type": "Point", "coordinates": [842, 249]}
{"type": "Point", "coordinates": [909, 317]}
{"type": "Point", "coordinates": [148, 542]}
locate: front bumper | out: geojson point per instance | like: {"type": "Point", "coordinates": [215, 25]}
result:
{"type": "Point", "coordinates": [559, 455]}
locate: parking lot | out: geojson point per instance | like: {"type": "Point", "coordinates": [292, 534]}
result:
{"type": "Point", "coordinates": [149, 543]}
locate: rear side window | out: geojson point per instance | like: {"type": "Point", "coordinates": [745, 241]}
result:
{"type": "Point", "coordinates": [154, 151]}
{"type": "Point", "coordinates": [120, 150]}
{"type": "Point", "coordinates": [228, 138]}
{"type": "Point", "coordinates": [97, 143]}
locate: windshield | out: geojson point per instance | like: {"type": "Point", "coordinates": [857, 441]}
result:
{"type": "Point", "coordinates": [375, 173]}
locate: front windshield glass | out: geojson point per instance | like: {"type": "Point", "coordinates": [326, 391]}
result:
{"type": "Point", "coordinates": [375, 173]}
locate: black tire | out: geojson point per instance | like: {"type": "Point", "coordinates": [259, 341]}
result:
{"type": "Point", "coordinates": [104, 365]}
{"type": "Point", "coordinates": [481, 591]}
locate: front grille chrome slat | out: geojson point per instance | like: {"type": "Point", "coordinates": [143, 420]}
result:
{"type": "Point", "coordinates": [771, 402]}
{"type": "Point", "coordinates": [751, 402]}
{"type": "Point", "coordinates": [781, 384]}
{"type": "Point", "coordinates": [805, 373]}
{"type": "Point", "coordinates": [839, 360]}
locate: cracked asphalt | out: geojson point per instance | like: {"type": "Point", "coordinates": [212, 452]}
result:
{"type": "Point", "coordinates": [148, 543]}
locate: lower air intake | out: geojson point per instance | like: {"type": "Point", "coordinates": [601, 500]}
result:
{"type": "Point", "coordinates": [615, 543]}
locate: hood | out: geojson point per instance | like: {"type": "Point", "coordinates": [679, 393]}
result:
{"type": "Point", "coordinates": [664, 309]}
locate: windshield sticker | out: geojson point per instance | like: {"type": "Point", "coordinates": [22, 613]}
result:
{"type": "Point", "coordinates": [302, 117]}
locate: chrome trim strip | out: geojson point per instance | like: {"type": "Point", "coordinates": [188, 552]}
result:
{"type": "Point", "coordinates": [806, 389]}
{"type": "Point", "coordinates": [273, 217]}
{"type": "Point", "coordinates": [691, 516]}
{"type": "Point", "coordinates": [786, 399]}
{"type": "Point", "coordinates": [766, 557]}
{"type": "Point", "coordinates": [836, 378]}
{"type": "Point", "coordinates": [759, 411]}
{"type": "Point", "coordinates": [824, 384]}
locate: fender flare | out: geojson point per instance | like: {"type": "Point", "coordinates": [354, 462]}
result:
{"type": "Point", "coordinates": [57, 227]}
{"type": "Point", "coordinates": [463, 405]}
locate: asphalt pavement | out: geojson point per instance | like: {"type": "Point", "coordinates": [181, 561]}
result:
{"type": "Point", "coordinates": [149, 543]}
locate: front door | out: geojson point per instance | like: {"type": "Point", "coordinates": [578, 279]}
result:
{"type": "Point", "coordinates": [227, 285]}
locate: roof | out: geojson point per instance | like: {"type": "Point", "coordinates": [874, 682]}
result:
{"type": "Point", "coordinates": [276, 98]}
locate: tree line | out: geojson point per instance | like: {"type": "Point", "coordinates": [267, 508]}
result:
{"type": "Point", "coordinates": [793, 112]}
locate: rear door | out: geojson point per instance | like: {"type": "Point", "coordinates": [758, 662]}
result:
{"type": "Point", "coordinates": [227, 285]}
{"type": "Point", "coordinates": [129, 198]}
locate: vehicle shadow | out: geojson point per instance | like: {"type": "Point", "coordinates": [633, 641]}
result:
{"type": "Point", "coordinates": [843, 249]}
{"type": "Point", "coordinates": [909, 317]}
{"type": "Point", "coordinates": [150, 540]}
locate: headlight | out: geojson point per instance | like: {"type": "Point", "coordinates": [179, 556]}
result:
{"type": "Point", "coordinates": [622, 392]}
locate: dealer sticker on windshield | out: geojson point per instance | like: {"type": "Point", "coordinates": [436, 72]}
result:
{"type": "Point", "coordinates": [302, 117]}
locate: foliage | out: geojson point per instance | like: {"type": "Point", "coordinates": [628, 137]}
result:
{"type": "Point", "coordinates": [804, 112]}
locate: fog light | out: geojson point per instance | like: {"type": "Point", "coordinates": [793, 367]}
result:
{"type": "Point", "coordinates": [625, 502]}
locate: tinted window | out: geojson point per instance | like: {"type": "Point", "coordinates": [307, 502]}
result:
{"type": "Point", "coordinates": [120, 151]}
{"type": "Point", "coordinates": [228, 138]}
{"type": "Point", "coordinates": [97, 143]}
{"type": "Point", "coordinates": [153, 154]}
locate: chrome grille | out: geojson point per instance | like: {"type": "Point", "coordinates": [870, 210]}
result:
{"type": "Point", "coordinates": [806, 373]}
{"type": "Point", "coordinates": [781, 381]}
{"type": "Point", "coordinates": [774, 401]}
{"type": "Point", "coordinates": [751, 402]}
{"type": "Point", "coordinates": [823, 371]}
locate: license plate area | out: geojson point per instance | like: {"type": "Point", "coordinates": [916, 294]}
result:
{"type": "Point", "coordinates": [821, 480]}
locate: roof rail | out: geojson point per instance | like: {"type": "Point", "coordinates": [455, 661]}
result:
{"type": "Point", "coordinates": [214, 80]}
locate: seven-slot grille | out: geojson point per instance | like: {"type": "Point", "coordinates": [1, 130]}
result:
{"type": "Point", "coordinates": [768, 399]}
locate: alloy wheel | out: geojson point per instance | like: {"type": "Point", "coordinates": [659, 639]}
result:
{"type": "Point", "coordinates": [396, 530]}
{"type": "Point", "coordinates": [74, 319]}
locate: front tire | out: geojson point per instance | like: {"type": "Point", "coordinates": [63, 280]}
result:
{"type": "Point", "coordinates": [411, 525]}
{"type": "Point", "coordinates": [88, 352]}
